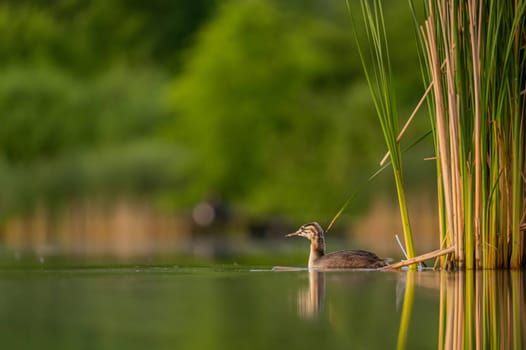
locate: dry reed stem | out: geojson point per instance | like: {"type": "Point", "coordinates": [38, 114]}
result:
{"type": "Point", "coordinates": [448, 27]}
{"type": "Point", "coordinates": [420, 258]}
{"type": "Point", "coordinates": [409, 120]}
{"type": "Point", "coordinates": [429, 36]}
{"type": "Point", "coordinates": [412, 116]}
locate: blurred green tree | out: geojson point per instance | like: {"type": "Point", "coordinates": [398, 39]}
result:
{"type": "Point", "coordinates": [62, 137]}
{"type": "Point", "coordinates": [262, 104]}
{"type": "Point", "coordinates": [273, 104]}
{"type": "Point", "coordinates": [91, 35]}
{"type": "Point", "coordinates": [270, 108]}
{"type": "Point", "coordinates": [80, 96]}
{"type": "Point", "coordinates": [46, 112]}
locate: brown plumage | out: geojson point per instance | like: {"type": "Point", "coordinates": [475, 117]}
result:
{"type": "Point", "coordinates": [344, 259]}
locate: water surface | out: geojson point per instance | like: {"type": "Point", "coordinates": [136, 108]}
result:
{"type": "Point", "coordinates": [212, 308]}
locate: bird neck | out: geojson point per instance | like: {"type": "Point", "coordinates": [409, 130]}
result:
{"type": "Point", "coordinates": [317, 249]}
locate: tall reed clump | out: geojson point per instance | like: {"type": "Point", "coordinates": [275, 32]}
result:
{"type": "Point", "coordinates": [377, 69]}
{"type": "Point", "coordinates": [473, 55]}
{"type": "Point", "coordinates": [475, 59]}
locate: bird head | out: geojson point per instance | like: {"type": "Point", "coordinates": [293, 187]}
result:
{"type": "Point", "coordinates": [311, 231]}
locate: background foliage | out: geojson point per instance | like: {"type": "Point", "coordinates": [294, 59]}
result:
{"type": "Point", "coordinates": [260, 102]}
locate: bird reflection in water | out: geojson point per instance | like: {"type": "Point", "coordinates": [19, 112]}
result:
{"type": "Point", "coordinates": [311, 299]}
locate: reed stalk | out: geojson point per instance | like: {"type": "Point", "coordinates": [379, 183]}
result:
{"type": "Point", "coordinates": [377, 68]}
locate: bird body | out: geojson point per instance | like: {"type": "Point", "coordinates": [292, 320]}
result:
{"type": "Point", "coordinates": [344, 259]}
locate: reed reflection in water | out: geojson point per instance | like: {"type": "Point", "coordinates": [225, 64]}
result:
{"type": "Point", "coordinates": [482, 310]}
{"type": "Point", "coordinates": [478, 309]}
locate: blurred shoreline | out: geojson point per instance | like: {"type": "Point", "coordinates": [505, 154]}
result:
{"type": "Point", "coordinates": [129, 231]}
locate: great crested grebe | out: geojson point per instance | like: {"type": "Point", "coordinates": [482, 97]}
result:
{"type": "Point", "coordinates": [344, 259]}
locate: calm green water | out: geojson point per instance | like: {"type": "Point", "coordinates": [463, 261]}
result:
{"type": "Point", "coordinates": [212, 308]}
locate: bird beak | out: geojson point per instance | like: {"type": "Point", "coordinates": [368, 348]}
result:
{"type": "Point", "coordinates": [294, 234]}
